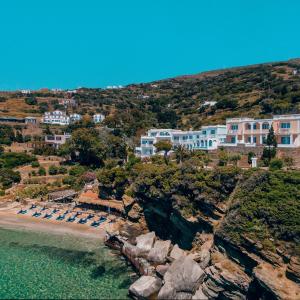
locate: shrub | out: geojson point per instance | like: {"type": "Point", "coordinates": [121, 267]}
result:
{"type": "Point", "coordinates": [276, 164]}
{"type": "Point", "coordinates": [2, 193]}
{"type": "Point", "coordinates": [31, 101]}
{"type": "Point", "coordinates": [42, 171]}
{"type": "Point", "coordinates": [53, 170]}
{"type": "Point", "coordinates": [77, 170]}
{"type": "Point", "coordinates": [35, 164]}
{"type": "Point", "coordinates": [13, 159]}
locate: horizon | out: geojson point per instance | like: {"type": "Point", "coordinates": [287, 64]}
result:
{"type": "Point", "coordinates": [69, 45]}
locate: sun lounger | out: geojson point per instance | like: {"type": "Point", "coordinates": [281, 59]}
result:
{"type": "Point", "coordinates": [22, 211]}
{"type": "Point", "coordinates": [60, 217]}
{"type": "Point", "coordinates": [32, 206]}
{"type": "Point", "coordinates": [82, 221]}
{"type": "Point", "coordinates": [47, 216]}
{"type": "Point", "coordinates": [36, 214]}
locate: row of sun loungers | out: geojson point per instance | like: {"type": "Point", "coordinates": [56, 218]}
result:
{"type": "Point", "coordinates": [67, 215]}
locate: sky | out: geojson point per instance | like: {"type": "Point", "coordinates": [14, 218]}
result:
{"type": "Point", "coordinates": [95, 43]}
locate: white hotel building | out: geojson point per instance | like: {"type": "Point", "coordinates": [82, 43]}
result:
{"type": "Point", "coordinates": [56, 117]}
{"type": "Point", "coordinates": [208, 138]}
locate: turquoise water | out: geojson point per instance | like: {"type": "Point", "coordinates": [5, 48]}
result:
{"type": "Point", "coordinates": [37, 265]}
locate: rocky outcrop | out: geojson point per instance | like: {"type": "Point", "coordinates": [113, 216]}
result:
{"type": "Point", "coordinates": [293, 269]}
{"type": "Point", "coordinates": [145, 287]}
{"type": "Point", "coordinates": [183, 276]}
{"type": "Point", "coordinates": [273, 280]}
{"type": "Point", "coordinates": [134, 214]}
{"type": "Point", "coordinates": [158, 254]}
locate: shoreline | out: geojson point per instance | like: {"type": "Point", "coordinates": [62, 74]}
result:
{"type": "Point", "coordinates": [12, 221]}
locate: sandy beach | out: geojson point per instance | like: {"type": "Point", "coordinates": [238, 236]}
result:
{"type": "Point", "coordinates": [11, 220]}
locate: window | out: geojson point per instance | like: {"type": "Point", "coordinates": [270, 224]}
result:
{"type": "Point", "coordinates": [285, 140]}
{"type": "Point", "coordinates": [285, 125]}
{"type": "Point", "coordinates": [249, 139]}
{"type": "Point", "coordinates": [254, 126]}
{"type": "Point", "coordinates": [254, 139]}
{"type": "Point", "coordinates": [234, 127]}
{"type": "Point", "coordinates": [176, 138]}
{"type": "Point", "coordinates": [204, 132]}
{"type": "Point", "coordinates": [202, 143]}
{"type": "Point", "coordinates": [265, 126]}
{"type": "Point", "coordinates": [264, 139]}
{"type": "Point", "coordinates": [144, 142]}
{"type": "Point", "coordinates": [198, 136]}
{"type": "Point", "coordinates": [233, 140]}
{"type": "Point", "coordinates": [210, 143]}
{"type": "Point", "coordinates": [150, 142]}
{"type": "Point", "coordinates": [213, 131]}
{"type": "Point", "coordinates": [190, 137]}
{"type": "Point", "coordinates": [249, 126]}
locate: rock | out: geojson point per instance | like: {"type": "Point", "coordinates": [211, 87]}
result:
{"type": "Point", "coordinates": [183, 296]}
{"type": "Point", "coordinates": [199, 295]}
{"type": "Point", "coordinates": [276, 284]}
{"type": "Point", "coordinates": [204, 258]}
{"type": "Point", "coordinates": [185, 275]}
{"type": "Point", "coordinates": [177, 252]}
{"type": "Point", "coordinates": [226, 279]}
{"type": "Point", "coordinates": [145, 242]}
{"type": "Point", "coordinates": [161, 270]}
{"type": "Point", "coordinates": [293, 269]}
{"type": "Point", "coordinates": [127, 201]}
{"type": "Point", "coordinates": [167, 292]}
{"type": "Point", "coordinates": [158, 254]}
{"type": "Point", "coordinates": [134, 213]}
{"type": "Point", "coordinates": [145, 287]}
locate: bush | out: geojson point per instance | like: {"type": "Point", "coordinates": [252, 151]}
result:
{"type": "Point", "coordinates": [77, 171]}
{"type": "Point", "coordinates": [8, 177]}
{"type": "Point", "coordinates": [31, 101]}
{"type": "Point", "coordinates": [53, 170]}
{"type": "Point", "coordinates": [12, 159]}
{"type": "Point", "coordinates": [35, 164]}
{"type": "Point", "coordinates": [2, 193]}
{"type": "Point", "coordinates": [276, 164]}
{"type": "Point", "coordinates": [42, 171]}
{"type": "Point", "coordinates": [62, 170]}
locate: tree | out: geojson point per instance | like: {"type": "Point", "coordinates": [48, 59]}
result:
{"type": "Point", "coordinates": [250, 156]}
{"type": "Point", "coordinates": [42, 171]}
{"type": "Point", "coordinates": [269, 151]}
{"type": "Point", "coordinates": [164, 146]}
{"type": "Point", "coordinates": [180, 153]}
{"type": "Point", "coordinates": [19, 137]}
{"type": "Point", "coordinates": [235, 158]}
{"type": "Point", "coordinates": [31, 101]}
{"type": "Point", "coordinates": [223, 157]}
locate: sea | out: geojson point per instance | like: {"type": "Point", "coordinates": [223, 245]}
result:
{"type": "Point", "coordinates": [39, 265]}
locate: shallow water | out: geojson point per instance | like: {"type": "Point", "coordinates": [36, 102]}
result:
{"type": "Point", "coordinates": [37, 265]}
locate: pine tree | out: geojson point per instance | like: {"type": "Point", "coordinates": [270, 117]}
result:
{"type": "Point", "coordinates": [269, 151]}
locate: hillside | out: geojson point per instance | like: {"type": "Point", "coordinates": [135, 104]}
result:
{"type": "Point", "coordinates": [254, 91]}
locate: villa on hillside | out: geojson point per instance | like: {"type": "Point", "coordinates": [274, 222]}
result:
{"type": "Point", "coordinates": [75, 118]}
{"type": "Point", "coordinates": [253, 132]}
{"type": "Point", "coordinates": [98, 118]}
{"type": "Point", "coordinates": [208, 138]}
{"type": "Point", "coordinates": [56, 117]}
{"type": "Point", "coordinates": [57, 140]}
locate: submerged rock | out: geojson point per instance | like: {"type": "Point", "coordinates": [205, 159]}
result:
{"type": "Point", "coordinates": [158, 254]}
{"type": "Point", "coordinates": [145, 287]}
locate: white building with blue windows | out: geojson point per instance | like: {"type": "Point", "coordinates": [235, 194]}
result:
{"type": "Point", "coordinates": [208, 138]}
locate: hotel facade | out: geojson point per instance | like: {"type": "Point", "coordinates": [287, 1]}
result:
{"type": "Point", "coordinates": [208, 138]}
{"type": "Point", "coordinates": [253, 132]}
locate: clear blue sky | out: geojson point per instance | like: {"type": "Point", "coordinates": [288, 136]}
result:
{"type": "Point", "coordinates": [94, 43]}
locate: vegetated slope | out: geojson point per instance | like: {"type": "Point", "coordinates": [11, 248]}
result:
{"type": "Point", "coordinates": [255, 91]}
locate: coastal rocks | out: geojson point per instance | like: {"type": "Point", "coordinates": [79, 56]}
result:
{"type": "Point", "coordinates": [161, 270]}
{"type": "Point", "coordinates": [183, 276]}
{"type": "Point", "coordinates": [293, 269]}
{"type": "Point", "coordinates": [135, 212]}
{"type": "Point", "coordinates": [227, 279]}
{"type": "Point", "coordinates": [145, 242]}
{"type": "Point", "coordinates": [145, 287]}
{"type": "Point", "coordinates": [275, 283]}
{"type": "Point", "coordinates": [176, 253]}
{"type": "Point", "coordinates": [158, 254]}
{"type": "Point", "coordinates": [199, 295]}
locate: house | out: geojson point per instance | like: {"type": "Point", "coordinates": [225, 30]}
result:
{"type": "Point", "coordinates": [208, 138]}
{"type": "Point", "coordinates": [30, 120]}
{"type": "Point", "coordinates": [75, 118]}
{"type": "Point", "coordinates": [253, 132]}
{"type": "Point", "coordinates": [26, 92]}
{"type": "Point", "coordinates": [56, 117]}
{"type": "Point", "coordinates": [209, 103]}
{"type": "Point", "coordinates": [98, 118]}
{"type": "Point", "coordinates": [67, 102]}
{"type": "Point", "coordinates": [57, 140]}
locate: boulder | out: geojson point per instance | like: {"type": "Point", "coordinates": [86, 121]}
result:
{"type": "Point", "coordinates": [167, 292]}
{"type": "Point", "coordinates": [145, 242]}
{"type": "Point", "coordinates": [185, 275]}
{"type": "Point", "coordinates": [127, 201]}
{"type": "Point", "coordinates": [134, 213]}
{"type": "Point", "coordinates": [204, 258]}
{"type": "Point", "coordinates": [199, 295]}
{"type": "Point", "coordinates": [158, 254]}
{"type": "Point", "coordinates": [177, 252]}
{"type": "Point", "coordinates": [161, 270]}
{"type": "Point", "coordinates": [146, 287]}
